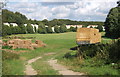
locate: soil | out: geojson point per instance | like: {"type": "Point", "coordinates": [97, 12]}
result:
{"type": "Point", "coordinates": [62, 69]}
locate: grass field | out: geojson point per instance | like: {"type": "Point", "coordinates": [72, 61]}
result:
{"type": "Point", "coordinates": [58, 44]}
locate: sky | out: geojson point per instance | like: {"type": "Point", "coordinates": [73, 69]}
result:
{"type": "Point", "coordinates": [80, 10]}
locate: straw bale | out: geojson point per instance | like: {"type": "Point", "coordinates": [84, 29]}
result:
{"type": "Point", "coordinates": [38, 42]}
{"type": "Point", "coordinates": [10, 42]}
{"type": "Point", "coordinates": [88, 34]}
{"type": "Point", "coordinates": [18, 43]}
{"type": "Point", "coordinates": [35, 45]}
{"type": "Point", "coordinates": [27, 42]}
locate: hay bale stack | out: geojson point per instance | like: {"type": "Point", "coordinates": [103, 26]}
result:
{"type": "Point", "coordinates": [18, 43]}
{"type": "Point", "coordinates": [35, 46]}
{"type": "Point", "coordinates": [40, 43]}
{"type": "Point", "coordinates": [88, 36]}
{"type": "Point", "coordinates": [95, 36]}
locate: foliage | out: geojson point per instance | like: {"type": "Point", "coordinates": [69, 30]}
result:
{"type": "Point", "coordinates": [100, 28]}
{"type": "Point", "coordinates": [42, 29]}
{"type": "Point", "coordinates": [57, 29]}
{"type": "Point", "coordinates": [6, 30]}
{"type": "Point", "coordinates": [84, 26]}
{"type": "Point", "coordinates": [49, 29]}
{"type": "Point", "coordinates": [23, 29]}
{"type": "Point", "coordinates": [69, 22]}
{"type": "Point", "coordinates": [8, 16]}
{"type": "Point", "coordinates": [112, 23]}
{"type": "Point", "coordinates": [114, 51]}
{"type": "Point", "coordinates": [16, 30]}
{"type": "Point", "coordinates": [63, 28]}
{"type": "Point", "coordinates": [73, 29]}
{"type": "Point", "coordinates": [29, 28]}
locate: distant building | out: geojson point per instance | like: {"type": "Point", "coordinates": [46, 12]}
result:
{"type": "Point", "coordinates": [93, 26]}
{"type": "Point", "coordinates": [25, 25]}
{"type": "Point", "coordinates": [6, 24]}
{"type": "Point", "coordinates": [78, 26]}
{"type": "Point", "coordinates": [34, 25]}
{"type": "Point", "coordinates": [13, 24]}
{"type": "Point", "coordinates": [46, 26]}
{"type": "Point", "coordinates": [53, 29]}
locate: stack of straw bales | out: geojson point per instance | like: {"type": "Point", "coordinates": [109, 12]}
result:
{"type": "Point", "coordinates": [18, 43]}
{"type": "Point", "coordinates": [88, 36]}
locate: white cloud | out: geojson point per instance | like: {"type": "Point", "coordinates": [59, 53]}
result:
{"type": "Point", "coordinates": [60, 0]}
{"type": "Point", "coordinates": [60, 12]}
{"type": "Point", "coordinates": [79, 10]}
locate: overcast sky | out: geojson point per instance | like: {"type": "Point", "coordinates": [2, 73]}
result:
{"type": "Point", "coordinates": [80, 10]}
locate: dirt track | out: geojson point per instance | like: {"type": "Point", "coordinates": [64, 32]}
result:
{"type": "Point", "coordinates": [29, 70]}
{"type": "Point", "coordinates": [62, 69]}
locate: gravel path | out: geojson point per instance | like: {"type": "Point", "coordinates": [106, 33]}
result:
{"type": "Point", "coordinates": [62, 69]}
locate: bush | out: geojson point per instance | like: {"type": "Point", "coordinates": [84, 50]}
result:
{"type": "Point", "coordinates": [114, 51]}
{"type": "Point", "coordinates": [71, 54]}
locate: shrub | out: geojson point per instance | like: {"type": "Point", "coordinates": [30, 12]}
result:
{"type": "Point", "coordinates": [114, 51]}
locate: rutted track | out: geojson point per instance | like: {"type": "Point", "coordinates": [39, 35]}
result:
{"type": "Point", "coordinates": [29, 70]}
{"type": "Point", "coordinates": [62, 69]}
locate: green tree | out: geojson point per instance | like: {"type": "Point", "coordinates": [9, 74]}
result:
{"type": "Point", "coordinates": [23, 29]}
{"type": "Point", "coordinates": [57, 29]}
{"type": "Point", "coordinates": [6, 30]}
{"type": "Point", "coordinates": [112, 23]}
{"type": "Point", "coordinates": [73, 29]}
{"type": "Point", "coordinates": [84, 26]}
{"type": "Point", "coordinates": [9, 16]}
{"type": "Point", "coordinates": [45, 21]}
{"type": "Point", "coordinates": [100, 28]}
{"type": "Point", "coordinates": [42, 29]}
{"type": "Point", "coordinates": [29, 28]}
{"type": "Point", "coordinates": [63, 28]}
{"type": "Point", "coordinates": [49, 29]}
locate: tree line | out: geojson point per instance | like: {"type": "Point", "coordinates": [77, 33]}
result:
{"type": "Point", "coordinates": [29, 29]}
{"type": "Point", "coordinates": [111, 23]}
{"type": "Point", "coordinates": [16, 17]}
{"type": "Point", "coordinates": [20, 19]}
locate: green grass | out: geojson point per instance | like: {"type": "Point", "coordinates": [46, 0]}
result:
{"type": "Point", "coordinates": [59, 44]}
{"type": "Point", "coordinates": [42, 66]}
{"type": "Point", "coordinates": [87, 68]}
{"type": "Point", "coordinates": [13, 67]}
